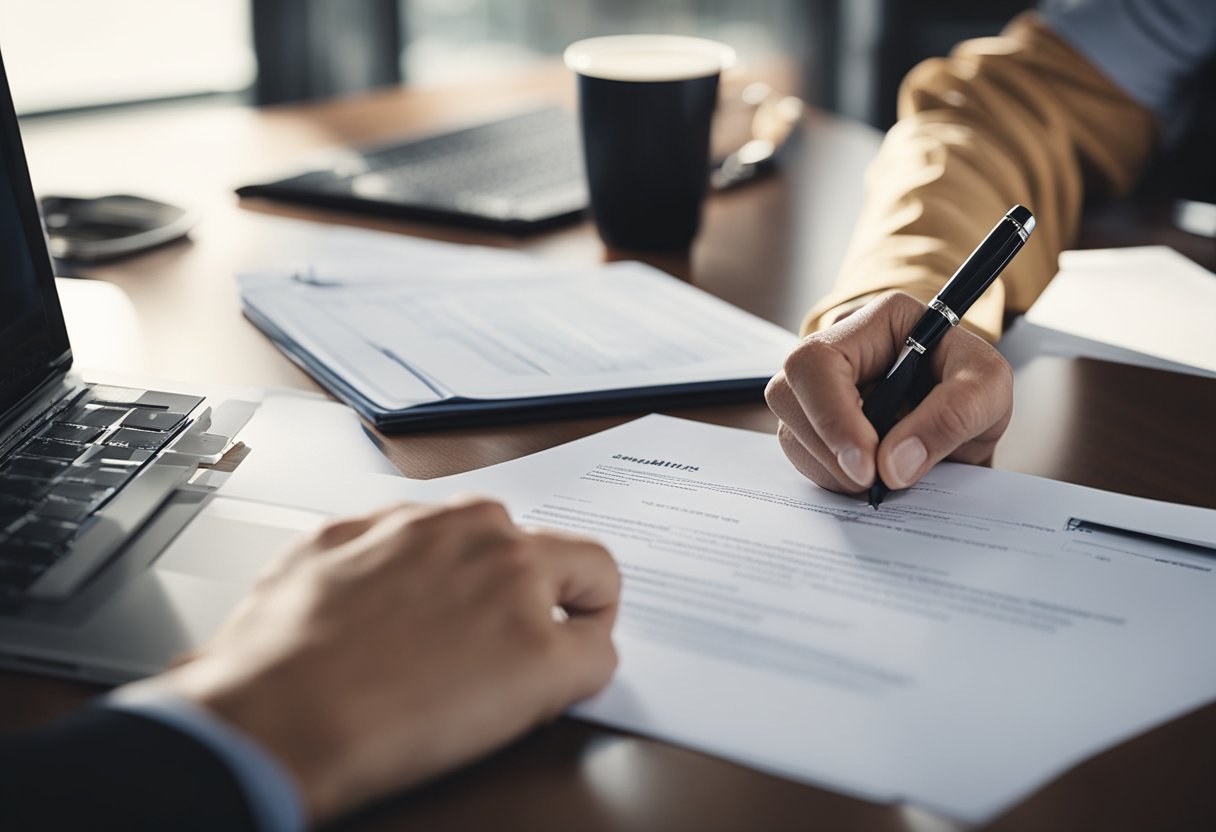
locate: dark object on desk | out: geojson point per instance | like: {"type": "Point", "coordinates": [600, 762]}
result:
{"type": "Point", "coordinates": [952, 302]}
{"type": "Point", "coordinates": [107, 227]}
{"type": "Point", "coordinates": [518, 174]}
{"type": "Point", "coordinates": [646, 103]}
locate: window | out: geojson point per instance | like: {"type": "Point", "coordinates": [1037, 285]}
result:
{"type": "Point", "coordinates": [62, 54]}
{"type": "Point", "coordinates": [463, 40]}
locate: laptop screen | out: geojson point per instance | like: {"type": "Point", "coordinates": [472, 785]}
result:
{"type": "Point", "coordinates": [33, 339]}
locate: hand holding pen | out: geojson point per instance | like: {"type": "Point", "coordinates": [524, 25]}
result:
{"type": "Point", "coordinates": [817, 397]}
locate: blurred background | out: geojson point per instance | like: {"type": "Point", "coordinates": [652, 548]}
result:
{"type": "Point", "coordinates": [65, 55]}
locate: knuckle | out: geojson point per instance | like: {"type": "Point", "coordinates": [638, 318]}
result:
{"type": "Point", "coordinates": [811, 351]}
{"type": "Point", "coordinates": [832, 427]}
{"type": "Point", "coordinates": [612, 572]}
{"type": "Point", "coordinates": [402, 523]}
{"type": "Point", "coordinates": [515, 561]}
{"type": "Point", "coordinates": [999, 372]}
{"type": "Point", "coordinates": [786, 438]}
{"type": "Point", "coordinates": [806, 463]}
{"type": "Point", "coordinates": [895, 300]}
{"type": "Point", "coordinates": [959, 420]}
{"type": "Point", "coordinates": [776, 390]}
{"type": "Point", "coordinates": [900, 311]}
{"type": "Point", "coordinates": [329, 532]}
{"type": "Point", "coordinates": [481, 511]}
{"type": "Point", "coordinates": [902, 300]}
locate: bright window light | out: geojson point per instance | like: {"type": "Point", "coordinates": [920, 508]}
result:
{"type": "Point", "coordinates": [73, 53]}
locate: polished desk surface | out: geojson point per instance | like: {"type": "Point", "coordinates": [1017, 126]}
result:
{"type": "Point", "coordinates": [771, 248]}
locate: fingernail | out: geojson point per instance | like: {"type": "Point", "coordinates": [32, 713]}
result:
{"type": "Point", "coordinates": [855, 464]}
{"type": "Point", "coordinates": [906, 459]}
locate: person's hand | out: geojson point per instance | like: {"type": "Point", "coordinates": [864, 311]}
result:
{"type": "Point", "coordinates": [384, 650]}
{"type": "Point", "coordinates": [818, 398]}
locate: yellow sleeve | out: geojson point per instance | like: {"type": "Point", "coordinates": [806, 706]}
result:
{"type": "Point", "coordinates": [1018, 118]}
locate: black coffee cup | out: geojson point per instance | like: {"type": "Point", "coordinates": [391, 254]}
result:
{"type": "Point", "coordinates": [646, 103]}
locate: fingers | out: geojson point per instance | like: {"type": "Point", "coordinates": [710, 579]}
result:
{"type": "Point", "coordinates": [824, 432]}
{"type": "Point", "coordinates": [797, 443]}
{"type": "Point", "coordinates": [463, 523]}
{"type": "Point", "coordinates": [584, 581]}
{"type": "Point", "coordinates": [472, 540]}
{"type": "Point", "coordinates": [962, 417]}
{"type": "Point", "coordinates": [583, 576]}
{"type": "Point", "coordinates": [816, 396]}
{"type": "Point", "coordinates": [823, 381]}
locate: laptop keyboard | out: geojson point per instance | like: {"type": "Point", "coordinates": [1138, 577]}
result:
{"type": "Point", "coordinates": [528, 166]}
{"type": "Point", "coordinates": [57, 479]}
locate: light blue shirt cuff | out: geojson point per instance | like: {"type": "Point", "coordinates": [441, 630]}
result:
{"type": "Point", "coordinates": [1147, 47]}
{"type": "Point", "coordinates": [271, 793]}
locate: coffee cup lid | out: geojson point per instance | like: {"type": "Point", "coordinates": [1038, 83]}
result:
{"type": "Point", "coordinates": [648, 57]}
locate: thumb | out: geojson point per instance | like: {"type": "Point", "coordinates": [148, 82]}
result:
{"type": "Point", "coordinates": [955, 414]}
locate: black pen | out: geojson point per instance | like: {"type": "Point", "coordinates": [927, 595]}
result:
{"type": "Point", "coordinates": [952, 302]}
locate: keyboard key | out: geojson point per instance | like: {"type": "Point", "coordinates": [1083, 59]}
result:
{"type": "Point", "coordinates": [22, 489]}
{"type": "Point", "coordinates": [97, 475]}
{"type": "Point", "coordinates": [51, 449]}
{"type": "Point", "coordinates": [11, 512]}
{"type": "Point", "coordinates": [83, 492]}
{"type": "Point", "coordinates": [95, 417]}
{"type": "Point", "coordinates": [22, 554]}
{"type": "Point", "coordinates": [176, 402]}
{"type": "Point", "coordinates": [35, 469]}
{"type": "Point", "coordinates": [139, 439]}
{"type": "Point", "coordinates": [108, 394]}
{"type": "Point", "coordinates": [113, 456]}
{"type": "Point", "coordinates": [153, 419]}
{"type": "Point", "coordinates": [80, 434]}
{"type": "Point", "coordinates": [17, 577]}
{"type": "Point", "coordinates": [46, 532]}
{"type": "Point", "coordinates": [56, 508]}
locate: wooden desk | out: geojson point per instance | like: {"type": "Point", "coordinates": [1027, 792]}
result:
{"type": "Point", "coordinates": [771, 248]}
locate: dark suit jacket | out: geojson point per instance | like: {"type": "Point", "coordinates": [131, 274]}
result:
{"type": "Point", "coordinates": [100, 770]}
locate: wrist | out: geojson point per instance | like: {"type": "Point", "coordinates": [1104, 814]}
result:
{"type": "Point", "coordinates": [273, 714]}
{"type": "Point", "coordinates": [270, 793]}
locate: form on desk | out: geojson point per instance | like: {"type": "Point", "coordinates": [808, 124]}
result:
{"type": "Point", "coordinates": [955, 648]}
{"type": "Point", "coordinates": [439, 334]}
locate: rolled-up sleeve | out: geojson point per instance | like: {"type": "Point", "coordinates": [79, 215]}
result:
{"type": "Point", "coordinates": [1019, 118]}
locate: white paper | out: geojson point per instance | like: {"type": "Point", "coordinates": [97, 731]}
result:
{"type": "Point", "coordinates": [505, 332]}
{"type": "Point", "coordinates": [1149, 299]}
{"type": "Point", "coordinates": [954, 649]}
{"type": "Point", "coordinates": [337, 254]}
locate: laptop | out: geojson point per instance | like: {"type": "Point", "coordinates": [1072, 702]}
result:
{"type": "Point", "coordinates": [119, 546]}
{"type": "Point", "coordinates": [518, 175]}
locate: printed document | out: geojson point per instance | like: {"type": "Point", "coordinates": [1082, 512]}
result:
{"type": "Point", "coordinates": [956, 648]}
{"type": "Point", "coordinates": [1146, 305]}
{"type": "Point", "coordinates": [470, 327]}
